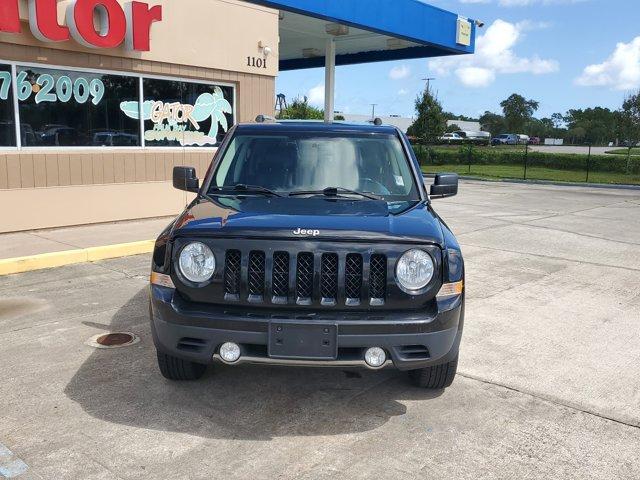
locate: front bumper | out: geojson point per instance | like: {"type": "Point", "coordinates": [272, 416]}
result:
{"type": "Point", "coordinates": [195, 332]}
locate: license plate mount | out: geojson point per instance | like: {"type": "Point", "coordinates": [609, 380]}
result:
{"type": "Point", "coordinates": [303, 341]}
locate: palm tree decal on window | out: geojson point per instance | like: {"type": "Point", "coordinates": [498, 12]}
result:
{"type": "Point", "coordinates": [178, 116]}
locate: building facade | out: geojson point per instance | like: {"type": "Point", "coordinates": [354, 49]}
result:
{"type": "Point", "coordinates": [98, 104]}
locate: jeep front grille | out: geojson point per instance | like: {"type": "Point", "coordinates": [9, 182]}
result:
{"type": "Point", "coordinates": [305, 278]}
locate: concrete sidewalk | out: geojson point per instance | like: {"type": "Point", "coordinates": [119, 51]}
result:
{"type": "Point", "coordinates": [37, 242]}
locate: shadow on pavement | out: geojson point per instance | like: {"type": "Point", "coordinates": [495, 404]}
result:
{"type": "Point", "coordinates": [124, 386]}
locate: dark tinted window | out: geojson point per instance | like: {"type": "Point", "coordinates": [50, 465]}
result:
{"type": "Point", "coordinates": [7, 120]}
{"type": "Point", "coordinates": [185, 114]}
{"type": "Point", "coordinates": [69, 108]}
{"type": "Point", "coordinates": [293, 162]}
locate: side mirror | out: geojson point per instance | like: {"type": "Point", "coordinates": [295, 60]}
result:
{"type": "Point", "coordinates": [445, 185]}
{"type": "Point", "coordinates": [184, 178]}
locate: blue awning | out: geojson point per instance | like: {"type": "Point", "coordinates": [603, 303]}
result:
{"type": "Point", "coordinates": [378, 30]}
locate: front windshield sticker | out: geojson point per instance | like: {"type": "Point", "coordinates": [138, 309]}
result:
{"type": "Point", "coordinates": [179, 122]}
{"type": "Point", "coordinates": [399, 180]}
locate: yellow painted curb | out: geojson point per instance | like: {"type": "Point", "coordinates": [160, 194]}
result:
{"type": "Point", "coordinates": [69, 257]}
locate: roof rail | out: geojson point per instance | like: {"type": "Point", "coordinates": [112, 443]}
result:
{"type": "Point", "coordinates": [265, 119]}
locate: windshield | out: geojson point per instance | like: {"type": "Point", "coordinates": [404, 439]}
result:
{"type": "Point", "coordinates": [312, 161]}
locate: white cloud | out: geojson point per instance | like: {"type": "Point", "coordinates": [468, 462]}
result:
{"type": "Point", "coordinates": [402, 92]}
{"type": "Point", "coordinates": [494, 56]}
{"type": "Point", "coordinates": [525, 3]}
{"type": "Point", "coordinates": [621, 71]}
{"type": "Point", "coordinates": [316, 95]}
{"type": "Point", "coordinates": [476, 76]}
{"type": "Point", "coordinates": [400, 72]}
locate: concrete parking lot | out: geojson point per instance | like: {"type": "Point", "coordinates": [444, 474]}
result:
{"type": "Point", "coordinates": [548, 384]}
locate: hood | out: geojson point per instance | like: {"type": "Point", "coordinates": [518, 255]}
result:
{"type": "Point", "coordinates": [316, 217]}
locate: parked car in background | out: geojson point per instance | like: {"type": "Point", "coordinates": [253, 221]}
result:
{"type": "Point", "coordinates": [451, 138]}
{"type": "Point", "coordinates": [115, 139]}
{"type": "Point", "coordinates": [481, 138]}
{"type": "Point", "coordinates": [534, 141]}
{"type": "Point", "coordinates": [505, 139]}
{"type": "Point", "coordinates": [523, 139]}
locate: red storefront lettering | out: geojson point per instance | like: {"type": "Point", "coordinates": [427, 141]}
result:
{"type": "Point", "coordinates": [115, 23]}
{"type": "Point", "coordinates": [9, 16]}
{"type": "Point", "coordinates": [139, 20]}
{"type": "Point", "coordinates": [112, 23]}
{"type": "Point", "coordinates": [43, 20]}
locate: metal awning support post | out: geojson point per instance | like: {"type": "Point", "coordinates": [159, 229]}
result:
{"type": "Point", "coordinates": [329, 79]}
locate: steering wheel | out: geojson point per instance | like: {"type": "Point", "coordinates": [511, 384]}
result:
{"type": "Point", "coordinates": [373, 186]}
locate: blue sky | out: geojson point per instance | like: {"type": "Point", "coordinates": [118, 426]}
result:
{"type": "Point", "coordinates": [562, 53]}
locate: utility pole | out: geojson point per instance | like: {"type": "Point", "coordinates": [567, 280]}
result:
{"type": "Point", "coordinates": [428, 80]}
{"type": "Point", "coordinates": [373, 111]}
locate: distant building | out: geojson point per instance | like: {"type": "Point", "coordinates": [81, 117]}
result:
{"type": "Point", "coordinates": [403, 123]}
{"type": "Point", "coordinates": [465, 126]}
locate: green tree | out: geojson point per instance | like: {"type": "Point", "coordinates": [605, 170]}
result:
{"type": "Point", "coordinates": [517, 111]}
{"type": "Point", "coordinates": [453, 128]}
{"type": "Point", "coordinates": [599, 124]}
{"type": "Point", "coordinates": [431, 121]}
{"type": "Point", "coordinates": [493, 123]}
{"type": "Point", "coordinates": [301, 110]}
{"type": "Point", "coordinates": [464, 118]}
{"type": "Point", "coordinates": [630, 123]}
{"type": "Point", "coordinates": [630, 119]}
{"type": "Point", "coordinates": [558, 120]}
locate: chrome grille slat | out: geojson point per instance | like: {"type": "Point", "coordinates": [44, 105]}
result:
{"type": "Point", "coordinates": [256, 275]}
{"type": "Point", "coordinates": [329, 279]}
{"type": "Point", "coordinates": [377, 279]}
{"type": "Point", "coordinates": [232, 274]}
{"type": "Point", "coordinates": [280, 277]}
{"type": "Point", "coordinates": [304, 278]}
{"type": "Point", "coordinates": [353, 279]}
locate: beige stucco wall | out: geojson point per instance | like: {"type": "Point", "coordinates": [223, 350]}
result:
{"type": "Point", "coordinates": [217, 34]}
{"type": "Point", "coordinates": [198, 39]}
{"type": "Point", "coordinates": [36, 208]}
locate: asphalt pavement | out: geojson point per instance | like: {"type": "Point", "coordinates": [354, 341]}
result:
{"type": "Point", "coordinates": [548, 384]}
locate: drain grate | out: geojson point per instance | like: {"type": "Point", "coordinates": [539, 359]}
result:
{"type": "Point", "coordinates": [113, 340]}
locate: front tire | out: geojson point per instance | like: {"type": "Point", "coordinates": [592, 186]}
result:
{"type": "Point", "coordinates": [435, 377]}
{"type": "Point", "coordinates": [174, 368]}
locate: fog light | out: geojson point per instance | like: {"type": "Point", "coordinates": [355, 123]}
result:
{"type": "Point", "coordinates": [375, 357]}
{"type": "Point", "coordinates": [230, 352]}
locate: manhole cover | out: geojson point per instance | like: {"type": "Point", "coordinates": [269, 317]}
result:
{"type": "Point", "coordinates": [113, 340]}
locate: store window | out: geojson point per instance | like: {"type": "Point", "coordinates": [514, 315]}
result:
{"type": "Point", "coordinates": [7, 119]}
{"type": "Point", "coordinates": [185, 114]}
{"type": "Point", "coordinates": [76, 109]}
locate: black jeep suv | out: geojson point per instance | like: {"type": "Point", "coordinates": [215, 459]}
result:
{"type": "Point", "coordinates": [310, 244]}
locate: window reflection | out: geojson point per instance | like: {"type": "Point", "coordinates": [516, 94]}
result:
{"type": "Point", "coordinates": [185, 114]}
{"type": "Point", "coordinates": [75, 109]}
{"type": "Point", "coordinates": [7, 120]}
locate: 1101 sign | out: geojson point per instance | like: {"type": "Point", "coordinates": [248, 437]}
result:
{"type": "Point", "coordinates": [48, 89]}
{"type": "Point", "coordinates": [257, 62]}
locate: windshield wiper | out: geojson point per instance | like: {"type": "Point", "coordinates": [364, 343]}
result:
{"type": "Point", "coordinates": [334, 192]}
{"type": "Point", "coordinates": [242, 188]}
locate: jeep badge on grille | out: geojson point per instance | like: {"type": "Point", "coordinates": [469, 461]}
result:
{"type": "Point", "coordinates": [307, 233]}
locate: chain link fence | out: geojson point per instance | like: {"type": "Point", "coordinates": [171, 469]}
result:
{"type": "Point", "coordinates": [523, 163]}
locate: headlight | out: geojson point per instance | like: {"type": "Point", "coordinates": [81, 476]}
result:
{"type": "Point", "coordinates": [414, 270]}
{"type": "Point", "coordinates": [197, 262]}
